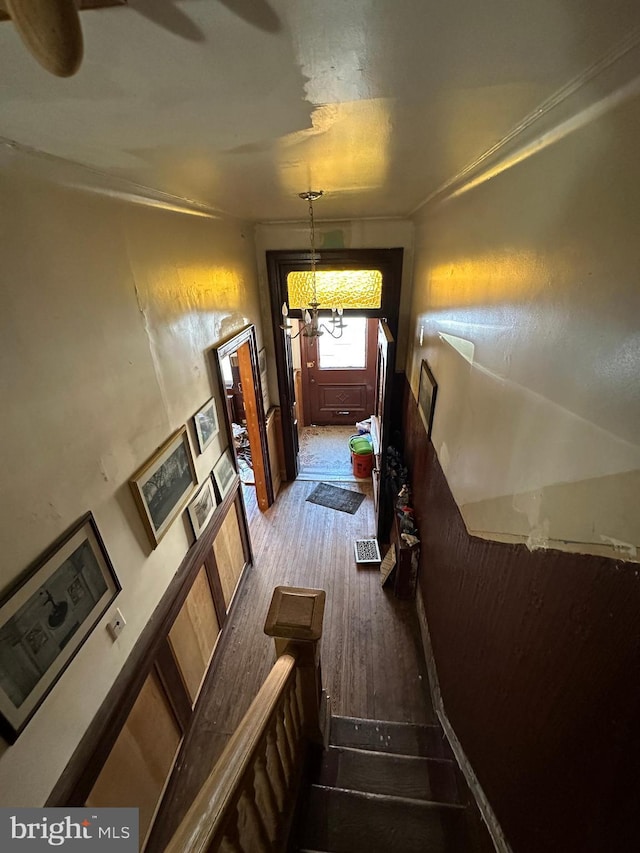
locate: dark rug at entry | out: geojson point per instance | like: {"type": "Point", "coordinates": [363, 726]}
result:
{"type": "Point", "coordinates": [335, 498]}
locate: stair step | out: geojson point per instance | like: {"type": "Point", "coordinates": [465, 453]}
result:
{"type": "Point", "coordinates": [339, 821]}
{"type": "Point", "coordinates": [385, 736]}
{"type": "Point", "coordinates": [386, 773]}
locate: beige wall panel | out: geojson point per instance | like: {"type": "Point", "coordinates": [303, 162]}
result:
{"type": "Point", "coordinates": [194, 634]}
{"type": "Point", "coordinates": [109, 313]}
{"type": "Point", "coordinates": [229, 554]}
{"type": "Point", "coordinates": [526, 305]}
{"type": "Point", "coordinates": [137, 769]}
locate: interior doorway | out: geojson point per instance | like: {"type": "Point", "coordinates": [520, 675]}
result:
{"type": "Point", "coordinates": [241, 389]}
{"type": "Point", "coordinates": [335, 390]}
{"type": "Point", "coordinates": [280, 265]}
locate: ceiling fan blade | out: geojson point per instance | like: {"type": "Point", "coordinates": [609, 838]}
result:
{"type": "Point", "coordinates": [51, 31]}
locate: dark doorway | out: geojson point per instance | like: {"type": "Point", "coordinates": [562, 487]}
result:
{"type": "Point", "coordinates": [241, 389]}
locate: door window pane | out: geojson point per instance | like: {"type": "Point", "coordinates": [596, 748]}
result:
{"type": "Point", "coordinates": [346, 352]}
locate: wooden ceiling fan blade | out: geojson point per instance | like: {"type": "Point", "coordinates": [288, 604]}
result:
{"type": "Point", "coordinates": [51, 31]}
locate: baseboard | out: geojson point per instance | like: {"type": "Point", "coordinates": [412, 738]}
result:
{"type": "Point", "coordinates": [488, 815]}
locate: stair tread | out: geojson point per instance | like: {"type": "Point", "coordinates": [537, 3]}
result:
{"type": "Point", "coordinates": [343, 821]}
{"type": "Point", "coordinates": [409, 776]}
{"type": "Point", "coordinates": [388, 736]}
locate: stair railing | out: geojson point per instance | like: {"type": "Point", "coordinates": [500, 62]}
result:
{"type": "Point", "coordinates": [247, 802]}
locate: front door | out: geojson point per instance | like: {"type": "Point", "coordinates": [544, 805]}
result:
{"type": "Point", "coordinates": [339, 374]}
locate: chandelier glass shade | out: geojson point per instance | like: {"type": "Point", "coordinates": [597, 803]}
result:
{"type": "Point", "coordinates": [312, 326]}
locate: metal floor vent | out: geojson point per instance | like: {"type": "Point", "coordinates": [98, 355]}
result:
{"type": "Point", "coordinates": [367, 551]}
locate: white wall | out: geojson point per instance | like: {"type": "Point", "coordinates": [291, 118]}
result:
{"type": "Point", "coordinates": [349, 234]}
{"type": "Point", "coordinates": [527, 306]}
{"type": "Point", "coordinates": [108, 310]}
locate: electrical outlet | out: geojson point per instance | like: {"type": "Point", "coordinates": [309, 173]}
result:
{"type": "Point", "coordinates": [115, 625]}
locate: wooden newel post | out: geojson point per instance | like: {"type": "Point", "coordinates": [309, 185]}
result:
{"type": "Point", "coordinates": [294, 621]}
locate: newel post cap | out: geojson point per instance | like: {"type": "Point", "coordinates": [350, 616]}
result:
{"type": "Point", "coordinates": [296, 613]}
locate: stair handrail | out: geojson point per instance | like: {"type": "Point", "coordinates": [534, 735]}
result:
{"type": "Point", "coordinates": [247, 801]}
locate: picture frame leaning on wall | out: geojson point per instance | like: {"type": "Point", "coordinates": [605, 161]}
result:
{"type": "Point", "coordinates": [46, 616]}
{"type": "Point", "coordinates": [163, 486]}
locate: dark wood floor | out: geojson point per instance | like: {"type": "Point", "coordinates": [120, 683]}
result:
{"type": "Point", "coordinates": [372, 662]}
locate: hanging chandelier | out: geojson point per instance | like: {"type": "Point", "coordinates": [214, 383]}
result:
{"type": "Point", "coordinates": [312, 326]}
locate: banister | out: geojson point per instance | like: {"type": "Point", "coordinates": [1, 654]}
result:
{"type": "Point", "coordinates": [209, 809]}
{"type": "Point", "coordinates": [247, 801]}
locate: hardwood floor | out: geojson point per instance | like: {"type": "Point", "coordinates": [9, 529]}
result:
{"type": "Point", "coordinates": [372, 662]}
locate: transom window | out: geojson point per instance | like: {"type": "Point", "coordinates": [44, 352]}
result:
{"type": "Point", "coordinates": [336, 288]}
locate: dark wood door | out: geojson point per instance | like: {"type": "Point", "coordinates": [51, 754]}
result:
{"type": "Point", "coordinates": [339, 376]}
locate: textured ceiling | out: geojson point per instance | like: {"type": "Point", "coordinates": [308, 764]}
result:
{"type": "Point", "coordinates": [239, 105]}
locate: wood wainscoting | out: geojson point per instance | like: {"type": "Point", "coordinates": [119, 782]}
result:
{"type": "Point", "coordinates": [537, 656]}
{"type": "Point", "coordinates": [126, 756]}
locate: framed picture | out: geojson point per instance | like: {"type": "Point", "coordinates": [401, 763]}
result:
{"type": "Point", "coordinates": [206, 424]}
{"type": "Point", "coordinates": [224, 473]}
{"type": "Point", "coordinates": [46, 617]}
{"type": "Point", "coordinates": [202, 507]}
{"type": "Point", "coordinates": [164, 484]}
{"type": "Point", "coordinates": [427, 396]}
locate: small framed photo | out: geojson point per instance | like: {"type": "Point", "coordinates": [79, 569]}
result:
{"type": "Point", "coordinates": [427, 396]}
{"type": "Point", "coordinates": [46, 617]}
{"type": "Point", "coordinates": [206, 424]}
{"type": "Point", "coordinates": [164, 484]}
{"type": "Point", "coordinates": [224, 473]}
{"type": "Point", "coordinates": [202, 507]}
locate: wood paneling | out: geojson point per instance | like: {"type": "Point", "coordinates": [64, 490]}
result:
{"type": "Point", "coordinates": [538, 654]}
{"type": "Point", "coordinates": [194, 634]}
{"type": "Point", "coordinates": [229, 555]}
{"type": "Point", "coordinates": [139, 764]}
{"type": "Point", "coordinates": [152, 648]}
{"type": "Point", "coordinates": [274, 441]}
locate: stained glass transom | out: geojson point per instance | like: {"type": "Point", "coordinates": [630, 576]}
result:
{"type": "Point", "coordinates": [336, 288]}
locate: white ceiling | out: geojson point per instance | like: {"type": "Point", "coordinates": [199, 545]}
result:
{"type": "Point", "coordinates": [241, 104]}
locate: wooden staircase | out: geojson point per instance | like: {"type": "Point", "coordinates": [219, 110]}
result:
{"type": "Point", "coordinates": [386, 786]}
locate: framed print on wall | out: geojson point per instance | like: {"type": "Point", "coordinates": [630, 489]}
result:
{"type": "Point", "coordinates": [46, 617]}
{"type": "Point", "coordinates": [427, 392]}
{"type": "Point", "coordinates": [224, 473]}
{"type": "Point", "coordinates": [206, 424]}
{"type": "Point", "coordinates": [164, 484]}
{"type": "Point", "coordinates": [202, 507]}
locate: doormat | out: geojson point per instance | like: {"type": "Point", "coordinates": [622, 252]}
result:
{"type": "Point", "coordinates": [335, 498]}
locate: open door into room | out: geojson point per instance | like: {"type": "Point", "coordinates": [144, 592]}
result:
{"type": "Point", "coordinates": [240, 386]}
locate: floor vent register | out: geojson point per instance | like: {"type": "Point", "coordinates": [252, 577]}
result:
{"type": "Point", "coordinates": [367, 551]}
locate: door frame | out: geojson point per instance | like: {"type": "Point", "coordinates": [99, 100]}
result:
{"type": "Point", "coordinates": [256, 421]}
{"type": "Point", "coordinates": [279, 264]}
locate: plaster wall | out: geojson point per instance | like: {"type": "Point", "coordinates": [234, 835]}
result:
{"type": "Point", "coordinates": [108, 313]}
{"type": "Point", "coordinates": [526, 304]}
